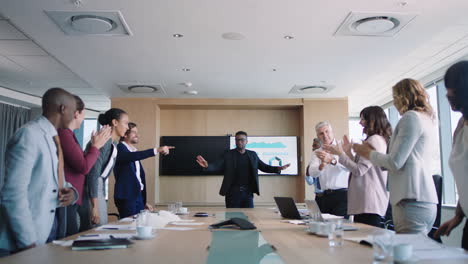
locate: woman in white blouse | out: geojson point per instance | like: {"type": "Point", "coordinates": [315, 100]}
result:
{"type": "Point", "coordinates": [456, 82]}
{"type": "Point", "coordinates": [412, 191]}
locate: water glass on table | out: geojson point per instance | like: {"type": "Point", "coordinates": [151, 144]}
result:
{"type": "Point", "coordinates": [171, 208]}
{"type": "Point", "coordinates": [336, 233]}
{"type": "Point", "coordinates": [143, 226]}
{"type": "Point", "coordinates": [382, 245]}
{"type": "Point", "coordinates": [178, 205]}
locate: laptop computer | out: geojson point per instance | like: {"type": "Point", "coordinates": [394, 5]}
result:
{"type": "Point", "coordinates": [316, 214]}
{"type": "Point", "coordinates": [287, 208]}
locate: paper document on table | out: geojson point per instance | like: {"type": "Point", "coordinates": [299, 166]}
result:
{"type": "Point", "coordinates": [127, 220]}
{"type": "Point", "coordinates": [104, 236]}
{"type": "Point", "coordinates": [178, 228]}
{"type": "Point", "coordinates": [445, 253]}
{"type": "Point", "coordinates": [187, 223]}
{"type": "Point", "coordinates": [419, 241]}
{"type": "Point", "coordinates": [116, 227]}
{"type": "Point", "coordinates": [330, 217]}
{"type": "Point", "coordinates": [295, 222]}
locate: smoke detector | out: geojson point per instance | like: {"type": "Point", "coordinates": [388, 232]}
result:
{"type": "Point", "coordinates": [373, 24]}
{"type": "Point", "coordinates": [310, 89]}
{"type": "Point", "coordinates": [142, 88]}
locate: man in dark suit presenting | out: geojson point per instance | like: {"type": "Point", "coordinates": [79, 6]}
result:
{"type": "Point", "coordinates": [130, 181]}
{"type": "Point", "coordinates": [240, 167]}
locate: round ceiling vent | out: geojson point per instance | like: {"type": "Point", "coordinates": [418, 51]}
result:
{"type": "Point", "coordinates": [375, 25]}
{"type": "Point", "coordinates": [314, 88]}
{"type": "Point", "coordinates": [142, 89]}
{"type": "Point", "coordinates": [233, 36]}
{"type": "Point", "coordinates": [92, 24]}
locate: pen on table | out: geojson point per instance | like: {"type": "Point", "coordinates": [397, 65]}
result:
{"type": "Point", "coordinates": [111, 228]}
{"type": "Point", "coordinates": [93, 235]}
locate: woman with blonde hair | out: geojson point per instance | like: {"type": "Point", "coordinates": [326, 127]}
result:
{"type": "Point", "coordinates": [412, 191]}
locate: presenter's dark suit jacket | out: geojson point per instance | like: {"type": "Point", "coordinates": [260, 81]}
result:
{"type": "Point", "coordinates": [126, 183]}
{"type": "Point", "coordinates": [228, 165]}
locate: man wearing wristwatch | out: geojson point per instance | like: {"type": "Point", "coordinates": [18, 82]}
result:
{"type": "Point", "coordinates": [332, 175]}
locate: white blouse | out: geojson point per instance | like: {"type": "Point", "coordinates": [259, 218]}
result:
{"type": "Point", "coordinates": [459, 163]}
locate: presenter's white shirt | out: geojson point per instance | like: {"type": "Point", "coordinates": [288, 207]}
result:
{"type": "Point", "coordinates": [332, 177]}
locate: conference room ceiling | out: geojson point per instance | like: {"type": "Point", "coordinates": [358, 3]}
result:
{"type": "Point", "coordinates": [36, 54]}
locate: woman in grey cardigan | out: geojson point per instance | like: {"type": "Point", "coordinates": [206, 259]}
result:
{"type": "Point", "coordinates": [94, 208]}
{"type": "Point", "coordinates": [412, 192]}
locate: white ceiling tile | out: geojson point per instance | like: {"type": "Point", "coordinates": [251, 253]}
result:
{"type": "Point", "coordinates": [8, 66]}
{"type": "Point", "coordinates": [7, 31]}
{"type": "Point", "coordinates": [20, 47]}
{"type": "Point", "coordinates": [42, 65]}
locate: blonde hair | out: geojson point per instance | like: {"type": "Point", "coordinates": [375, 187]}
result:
{"type": "Point", "coordinates": [409, 95]}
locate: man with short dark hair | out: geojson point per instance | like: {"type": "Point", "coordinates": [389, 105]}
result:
{"type": "Point", "coordinates": [34, 185]}
{"type": "Point", "coordinates": [130, 181]}
{"type": "Point", "coordinates": [240, 167]}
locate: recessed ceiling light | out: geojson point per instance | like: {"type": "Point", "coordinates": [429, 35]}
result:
{"type": "Point", "coordinates": [186, 69]}
{"type": "Point", "coordinates": [233, 36]}
{"type": "Point", "coordinates": [274, 69]}
{"type": "Point", "coordinates": [288, 37]}
{"type": "Point", "coordinates": [92, 24]}
{"type": "Point", "coordinates": [142, 89]}
{"type": "Point", "coordinates": [177, 35]}
{"type": "Point", "coordinates": [375, 25]}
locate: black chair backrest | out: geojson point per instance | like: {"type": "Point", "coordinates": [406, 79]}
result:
{"type": "Point", "coordinates": [438, 182]}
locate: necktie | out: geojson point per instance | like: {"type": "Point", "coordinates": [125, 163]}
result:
{"type": "Point", "coordinates": [60, 166]}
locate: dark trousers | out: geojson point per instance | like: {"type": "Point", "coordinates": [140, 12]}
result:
{"type": "Point", "coordinates": [318, 199]}
{"type": "Point", "coordinates": [335, 202]}
{"type": "Point", "coordinates": [369, 219]}
{"type": "Point", "coordinates": [129, 207]}
{"type": "Point", "coordinates": [72, 220]}
{"type": "Point", "coordinates": [465, 236]}
{"type": "Point", "coordinates": [239, 197]}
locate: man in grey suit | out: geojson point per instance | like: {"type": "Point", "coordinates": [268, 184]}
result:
{"type": "Point", "coordinates": [34, 186]}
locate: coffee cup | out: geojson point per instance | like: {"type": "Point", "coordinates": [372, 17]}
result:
{"type": "Point", "coordinates": [314, 226]}
{"type": "Point", "coordinates": [402, 252]}
{"type": "Point", "coordinates": [183, 210]}
{"type": "Point", "coordinates": [144, 231]}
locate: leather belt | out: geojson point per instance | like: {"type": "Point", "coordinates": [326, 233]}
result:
{"type": "Point", "coordinates": [330, 191]}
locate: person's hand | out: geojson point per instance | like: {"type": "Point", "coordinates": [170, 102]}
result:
{"type": "Point", "coordinates": [347, 144]}
{"type": "Point", "coordinates": [333, 149]}
{"type": "Point", "coordinates": [284, 167]}
{"type": "Point", "coordinates": [95, 215]}
{"type": "Point", "coordinates": [101, 137]}
{"type": "Point", "coordinates": [149, 207]}
{"type": "Point", "coordinates": [322, 166]}
{"type": "Point", "coordinates": [324, 156]}
{"type": "Point", "coordinates": [202, 162]}
{"type": "Point", "coordinates": [363, 149]}
{"type": "Point", "coordinates": [164, 150]}
{"type": "Point", "coordinates": [447, 227]}
{"type": "Point", "coordinates": [66, 196]}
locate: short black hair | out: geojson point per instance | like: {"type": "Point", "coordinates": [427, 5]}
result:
{"type": "Point", "coordinates": [238, 133]}
{"type": "Point", "coordinates": [456, 78]}
{"type": "Point", "coordinates": [130, 126]}
{"type": "Point", "coordinates": [55, 97]}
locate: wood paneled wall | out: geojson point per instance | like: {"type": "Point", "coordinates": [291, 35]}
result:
{"type": "Point", "coordinates": [216, 117]}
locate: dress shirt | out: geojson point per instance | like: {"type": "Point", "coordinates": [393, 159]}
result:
{"type": "Point", "coordinates": [332, 177]}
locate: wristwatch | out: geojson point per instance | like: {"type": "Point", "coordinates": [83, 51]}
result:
{"type": "Point", "coordinates": [333, 162]}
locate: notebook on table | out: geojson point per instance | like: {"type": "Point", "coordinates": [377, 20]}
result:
{"type": "Point", "coordinates": [112, 243]}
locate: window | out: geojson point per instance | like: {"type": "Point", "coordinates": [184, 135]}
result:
{"type": "Point", "coordinates": [436, 161]}
{"type": "Point", "coordinates": [355, 130]}
{"type": "Point", "coordinates": [89, 125]}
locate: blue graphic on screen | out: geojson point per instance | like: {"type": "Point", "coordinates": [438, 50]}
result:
{"type": "Point", "coordinates": [274, 151]}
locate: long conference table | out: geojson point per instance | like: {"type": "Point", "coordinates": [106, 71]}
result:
{"type": "Point", "coordinates": [290, 244]}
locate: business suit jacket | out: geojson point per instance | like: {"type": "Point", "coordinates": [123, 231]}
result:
{"type": "Point", "coordinates": [228, 165]}
{"type": "Point", "coordinates": [126, 183]}
{"type": "Point", "coordinates": [409, 159]}
{"type": "Point", "coordinates": [29, 196]}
